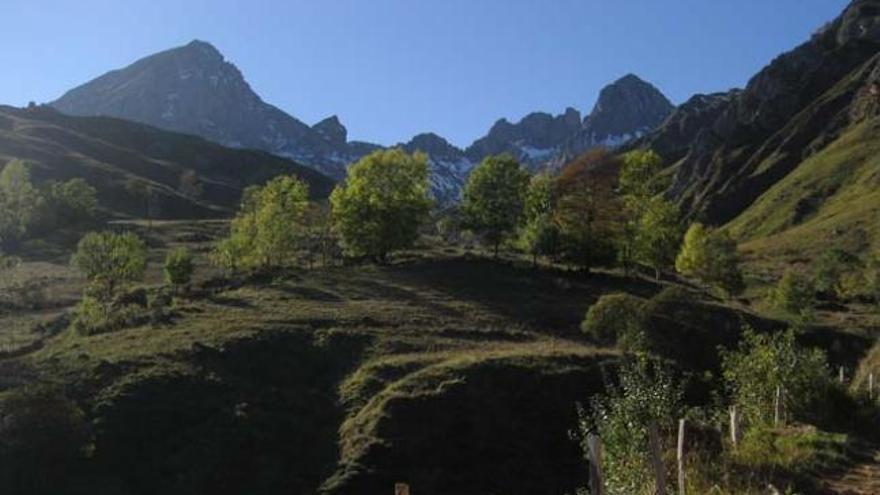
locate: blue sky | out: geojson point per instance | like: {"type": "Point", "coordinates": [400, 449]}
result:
{"type": "Point", "coordinates": [394, 68]}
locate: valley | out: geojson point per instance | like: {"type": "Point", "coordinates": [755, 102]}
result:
{"type": "Point", "coordinates": [201, 293]}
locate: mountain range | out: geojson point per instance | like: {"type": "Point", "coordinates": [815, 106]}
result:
{"type": "Point", "coordinates": [193, 89]}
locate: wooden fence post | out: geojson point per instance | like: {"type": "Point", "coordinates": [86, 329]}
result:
{"type": "Point", "coordinates": [657, 459]}
{"type": "Point", "coordinates": [680, 452]}
{"type": "Point", "coordinates": [401, 489]}
{"type": "Point", "coordinates": [597, 477]}
{"type": "Point", "coordinates": [734, 426]}
{"type": "Point", "coordinates": [777, 407]}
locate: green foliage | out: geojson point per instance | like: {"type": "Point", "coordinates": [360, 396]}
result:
{"type": "Point", "coordinates": [647, 393]}
{"type": "Point", "coordinates": [43, 438]}
{"type": "Point", "coordinates": [834, 273]}
{"type": "Point", "coordinates": [178, 267]}
{"type": "Point", "coordinates": [617, 319]}
{"type": "Point", "coordinates": [794, 294]}
{"type": "Point", "coordinates": [540, 235]}
{"type": "Point", "coordinates": [382, 203]}
{"type": "Point", "coordinates": [270, 229]}
{"type": "Point", "coordinates": [321, 243]}
{"type": "Point", "coordinates": [638, 175]}
{"type": "Point", "coordinates": [712, 258]}
{"type": "Point", "coordinates": [494, 198]}
{"type": "Point", "coordinates": [763, 362]}
{"type": "Point", "coordinates": [658, 235]}
{"type": "Point", "coordinates": [108, 259]}
{"type": "Point", "coordinates": [20, 202]}
{"type": "Point", "coordinates": [73, 202]}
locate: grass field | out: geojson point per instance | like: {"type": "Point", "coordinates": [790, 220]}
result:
{"type": "Point", "coordinates": [349, 378]}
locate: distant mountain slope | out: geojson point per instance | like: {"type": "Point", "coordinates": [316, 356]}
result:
{"type": "Point", "coordinates": [730, 149]}
{"type": "Point", "coordinates": [193, 89]}
{"type": "Point", "coordinates": [832, 198]}
{"type": "Point", "coordinates": [112, 154]}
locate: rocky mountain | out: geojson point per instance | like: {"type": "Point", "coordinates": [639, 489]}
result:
{"type": "Point", "coordinates": [626, 109]}
{"type": "Point", "coordinates": [728, 150]}
{"type": "Point", "coordinates": [187, 176]}
{"type": "Point", "coordinates": [193, 89]}
{"type": "Point", "coordinates": [448, 164]}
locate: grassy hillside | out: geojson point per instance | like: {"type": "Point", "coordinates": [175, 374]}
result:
{"type": "Point", "coordinates": [113, 154]}
{"type": "Point", "coordinates": [832, 199]}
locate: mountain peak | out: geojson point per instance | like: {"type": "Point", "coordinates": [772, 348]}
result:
{"type": "Point", "coordinates": [630, 106]}
{"type": "Point", "coordinates": [332, 130]}
{"type": "Point", "coordinates": [202, 47]}
{"type": "Point", "coordinates": [432, 144]}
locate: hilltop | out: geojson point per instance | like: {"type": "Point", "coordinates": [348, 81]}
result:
{"type": "Point", "coordinates": [188, 176]}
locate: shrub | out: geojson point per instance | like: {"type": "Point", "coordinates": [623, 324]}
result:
{"type": "Point", "coordinates": [179, 267]}
{"type": "Point", "coordinates": [763, 362]}
{"type": "Point", "coordinates": [831, 272]}
{"type": "Point", "coordinates": [617, 319]}
{"type": "Point", "coordinates": [794, 295]}
{"type": "Point", "coordinates": [647, 392]}
{"type": "Point", "coordinates": [93, 316]}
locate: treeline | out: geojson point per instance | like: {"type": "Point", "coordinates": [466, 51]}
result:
{"type": "Point", "coordinates": [602, 210]}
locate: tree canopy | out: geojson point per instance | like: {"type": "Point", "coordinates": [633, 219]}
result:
{"type": "Point", "coordinates": [382, 203]}
{"type": "Point", "coordinates": [712, 258]}
{"type": "Point", "coordinates": [269, 229]}
{"type": "Point", "coordinates": [494, 197]}
{"type": "Point", "coordinates": [108, 259]}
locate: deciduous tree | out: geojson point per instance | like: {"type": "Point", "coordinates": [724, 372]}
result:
{"type": "Point", "coordinates": [108, 260]}
{"type": "Point", "coordinates": [712, 258]}
{"type": "Point", "coordinates": [494, 196]}
{"type": "Point", "coordinates": [382, 203]}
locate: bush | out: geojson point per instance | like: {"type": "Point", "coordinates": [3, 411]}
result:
{"type": "Point", "coordinates": [794, 294]}
{"type": "Point", "coordinates": [647, 392]}
{"type": "Point", "coordinates": [179, 267]}
{"type": "Point", "coordinates": [93, 316]}
{"type": "Point", "coordinates": [617, 319]}
{"type": "Point", "coordinates": [763, 362]}
{"type": "Point", "coordinates": [833, 270]}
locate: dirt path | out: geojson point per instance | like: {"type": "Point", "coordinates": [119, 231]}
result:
{"type": "Point", "coordinates": [862, 479]}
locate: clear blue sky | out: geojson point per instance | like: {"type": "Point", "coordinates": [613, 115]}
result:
{"type": "Point", "coordinates": [393, 68]}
